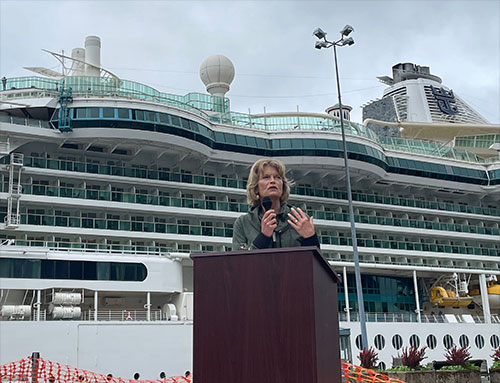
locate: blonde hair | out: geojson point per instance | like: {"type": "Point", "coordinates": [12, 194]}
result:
{"type": "Point", "coordinates": [254, 177]}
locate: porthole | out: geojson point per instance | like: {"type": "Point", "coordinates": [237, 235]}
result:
{"type": "Point", "coordinates": [397, 342]}
{"type": "Point", "coordinates": [414, 340]}
{"type": "Point", "coordinates": [494, 341]}
{"type": "Point", "coordinates": [479, 341]}
{"type": "Point", "coordinates": [431, 341]}
{"type": "Point", "coordinates": [137, 376]}
{"type": "Point", "coordinates": [163, 375]}
{"type": "Point", "coordinates": [379, 342]}
{"type": "Point", "coordinates": [463, 341]}
{"type": "Point", "coordinates": [448, 341]}
{"type": "Point", "coordinates": [382, 366]}
{"type": "Point", "coordinates": [358, 342]}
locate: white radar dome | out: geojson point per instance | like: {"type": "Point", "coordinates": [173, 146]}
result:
{"type": "Point", "coordinates": [217, 73]}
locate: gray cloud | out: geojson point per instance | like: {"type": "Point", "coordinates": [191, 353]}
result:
{"type": "Point", "coordinates": [162, 43]}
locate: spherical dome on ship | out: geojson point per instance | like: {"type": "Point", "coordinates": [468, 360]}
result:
{"type": "Point", "coordinates": [217, 73]}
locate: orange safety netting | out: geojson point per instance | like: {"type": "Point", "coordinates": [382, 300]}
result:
{"type": "Point", "coordinates": [352, 373]}
{"type": "Point", "coordinates": [52, 372]}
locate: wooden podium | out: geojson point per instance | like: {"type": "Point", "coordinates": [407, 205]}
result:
{"type": "Point", "coordinates": [265, 316]}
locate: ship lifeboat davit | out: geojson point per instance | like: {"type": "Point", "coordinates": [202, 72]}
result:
{"type": "Point", "coordinates": [493, 295]}
{"type": "Point", "coordinates": [448, 298]}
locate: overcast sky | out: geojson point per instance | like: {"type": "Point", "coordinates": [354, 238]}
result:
{"type": "Point", "coordinates": [162, 44]}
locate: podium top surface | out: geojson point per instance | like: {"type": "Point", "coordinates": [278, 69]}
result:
{"type": "Point", "coordinates": [275, 252]}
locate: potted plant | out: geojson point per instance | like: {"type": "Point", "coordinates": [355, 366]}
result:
{"type": "Point", "coordinates": [458, 368]}
{"type": "Point", "coordinates": [495, 367]}
{"type": "Point", "coordinates": [368, 358]}
{"type": "Point", "coordinates": [410, 370]}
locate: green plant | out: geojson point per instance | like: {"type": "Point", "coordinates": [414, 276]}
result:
{"type": "Point", "coordinates": [368, 358]}
{"type": "Point", "coordinates": [412, 356]}
{"type": "Point", "coordinates": [496, 365]}
{"type": "Point", "coordinates": [466, 367]}
{"type": "Point", "coordinates": [400, 368]}
{"type": "Point", "coordinates": [457, 356]}
{"type": "Point", "coordinates": [496, 355]}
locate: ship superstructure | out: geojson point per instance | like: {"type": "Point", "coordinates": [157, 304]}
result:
{"type": "Point", "coordinates": [108, 185]}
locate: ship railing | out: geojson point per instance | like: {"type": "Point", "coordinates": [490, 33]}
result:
{"type": "Point", "coordinates": [124, 315]}
{"type": "Point", "coordinates": [424, 318]}
{"type": "Point", "coordinates": [25, 121]}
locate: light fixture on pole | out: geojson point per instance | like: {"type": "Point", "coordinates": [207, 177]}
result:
{"type": "Point", "coordinates": [324, 43]}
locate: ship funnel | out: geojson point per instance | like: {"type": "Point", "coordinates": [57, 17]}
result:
{"type": "Point", "coordinates": [78, 67]}
{"type": "Point", "coordinates": [93, 56]}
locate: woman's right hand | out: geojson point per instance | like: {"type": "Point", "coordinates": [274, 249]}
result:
{"type": "Point", "coordinates": [268, 223]}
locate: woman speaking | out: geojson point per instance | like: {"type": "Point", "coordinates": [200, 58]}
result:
{"type": "Point", "coordinates": [271, 221]}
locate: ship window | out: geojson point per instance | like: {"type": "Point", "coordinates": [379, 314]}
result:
{"type": "Point", "coordinates": [139, 115]}
{"type": "Point", "coordinates": [124, 113]}
{"type": "Point", "coordinates": [379, 342]}
{"type": "Point", "coordinates": [358, 342]}
{"type": "Point", "coordinates": [175, 120]}
{"type": "Point", "coordinates": [251, 141]}
{"type": "Point", "coordinates": [241, 140]}
{"type": "Point", "coordinates": [479, 341]}
{"type": "Point", "coordinates": [81, 113]}
{"type": "Point", "coordinates": [151, 116]}
{"type": "Point", "coordinates": [108, 113]}
{"type": "Point", "coordinates": [414, 341]}
{"type": "Point", "coordinates": [262, 143]}
{"type": "Point", "coordinates": [164, 118]}
{"type": "Point", "coordinates": [463, 340]}
{"type": "Point", "coordinates": [431, 341]}
{"type": "Point", "coordinates": [230, 138]}
{"type": "Point", "coordinates": [494, 341]}
{"type": "Point", "coordinates": [219, 136]}
{"type": "Point", "coordinates": [93, 112]}
{"type": "Point", "coordinates": [448, 341]}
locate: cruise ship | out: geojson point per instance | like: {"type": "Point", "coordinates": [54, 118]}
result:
{"type": "Point", "coordinates": [108, 186]}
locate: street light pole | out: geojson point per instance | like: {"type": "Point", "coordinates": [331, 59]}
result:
{"type": "Point", "coordinates": [359, 289]}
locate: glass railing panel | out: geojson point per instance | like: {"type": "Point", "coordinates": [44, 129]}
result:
{"type": "Point", "coordinates": [79, 167]}
{"type": "Point", "coordinates": [87, 223]}
{"type": "Point", "coordinates": [160, 228]}
{"type": "Point", "coordinates": [128, 197]}
{"type": "Point", "coordinates": [141, 198]}
{"type": "Point", "coordinates": [92, 194]}
{"type": "Point", "coordinates": [100, 224]}
{"type": "Point", "coordinates": [52, 191]}
{"type": "Point", "coordinates": [124, 225]}
{"type": "Point", "coordinates": [224, 206]}
{"type": "Point", "coordinates": [63, 221]}
{"type": "Point", "coordinates": [164, 201]}
{"type": "Point", "coordinates": [137, 226]}
{"type": "Point", "coordinates": [195, 230]}
{"type": "Point", "coordinates": [105, 196]}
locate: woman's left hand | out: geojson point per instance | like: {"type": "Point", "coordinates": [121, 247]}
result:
{"type": "Point", "coordinates": [301, 222]}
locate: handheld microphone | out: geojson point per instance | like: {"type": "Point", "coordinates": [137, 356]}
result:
{"type": "Point", "coordinates": [267, 203]}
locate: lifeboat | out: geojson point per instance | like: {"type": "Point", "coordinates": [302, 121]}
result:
{"type": "Point", "coordinates": [493, 295]}
{"type": "Point", "coordinates": [448, 298]}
